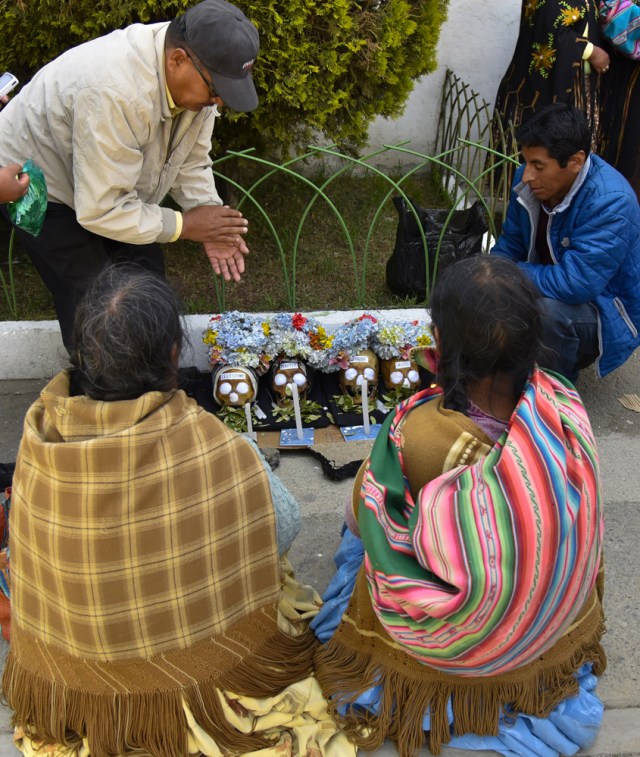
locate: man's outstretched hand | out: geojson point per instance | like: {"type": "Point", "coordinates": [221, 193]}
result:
{"type": "Point", "coordinates": [227, 260]}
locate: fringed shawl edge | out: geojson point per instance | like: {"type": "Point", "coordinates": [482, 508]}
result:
{"type": "Point", "coordinates": [153, 719]}
{"type": "Point", "coordinates": [351, 663]}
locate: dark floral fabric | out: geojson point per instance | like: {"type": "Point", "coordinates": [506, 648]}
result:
{"type": "Point", "coordinates": [547, 63]}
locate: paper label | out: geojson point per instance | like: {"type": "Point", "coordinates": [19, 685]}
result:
{"type": "Point", "coordinates": [359, 359]}
{"type": "Point", "coordinates": [403, 364]}
{"type": "Point", "coordinates": [288, 366]}
{"type": "Point", "coordinates": [232, 376]}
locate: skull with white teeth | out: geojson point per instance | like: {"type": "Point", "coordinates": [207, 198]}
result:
{"type": "Point", "coordinates": [362, 365]}
{"type": "Point", "coordinates": [400, 374]}
{"type": "Point", "coordinates": [285, 372]}
{"type": "Point", "coordinates": [234, 386]}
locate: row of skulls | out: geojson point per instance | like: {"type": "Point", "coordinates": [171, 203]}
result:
{"type": "Point", "coordinates": [235, 386]}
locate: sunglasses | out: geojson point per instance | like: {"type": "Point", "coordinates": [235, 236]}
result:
{"type": "Point", "coordinates": [202, 76]}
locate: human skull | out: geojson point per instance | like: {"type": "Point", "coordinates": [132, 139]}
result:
{"type": "Point", "coordinates": [285, 372]}
{"type": "Point", "coordinates": [362, 365]}
{"type": "Point", "coordinates": [397, 373]}
{"type": "Point", "coordinates": [234, 386]}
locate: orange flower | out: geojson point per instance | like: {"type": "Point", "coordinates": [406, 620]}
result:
{"type": "Point", "coordinates": [530, 8]}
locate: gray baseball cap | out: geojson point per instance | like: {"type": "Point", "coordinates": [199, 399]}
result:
{"type": "Point", "coordinates": [227, 44]}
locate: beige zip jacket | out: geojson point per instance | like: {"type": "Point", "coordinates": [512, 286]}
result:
{"type": "Point", "coordinates": [97, 121]}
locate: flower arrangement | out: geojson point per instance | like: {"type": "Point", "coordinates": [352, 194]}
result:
{"type": "Point", "coordinates": [297, 336]}
{"type": "Point", "coordinates": [236, 338]}
{"type": "Point", "coordinates": [251, 341]}
{"type": "Point", "coordinates": [349, 339]}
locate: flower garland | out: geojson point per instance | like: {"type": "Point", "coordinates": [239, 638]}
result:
{"type": "Point", "coordinates": [243, 339]}
{"type": "Point", "coordinates": [297, 336]}
{"type": "Point", "coordinates": [236, 338]}
{"type": "Point", "coordinates": [396, 339]}
{"type": "Point", "coordinates": [351, 338]}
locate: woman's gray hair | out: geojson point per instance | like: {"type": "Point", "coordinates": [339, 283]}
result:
{"type": "Point", "coordinates": [128, 335]}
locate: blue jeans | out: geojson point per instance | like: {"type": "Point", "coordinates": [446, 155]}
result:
{"type": "Point", "coordinates": [569, 336]}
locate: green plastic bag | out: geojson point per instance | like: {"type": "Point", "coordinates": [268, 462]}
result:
{"type": "Point", "coordinates": [28, 212]}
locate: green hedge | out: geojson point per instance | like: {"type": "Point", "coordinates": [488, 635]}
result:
{"type": "Point", "coordinates": [326, 67]}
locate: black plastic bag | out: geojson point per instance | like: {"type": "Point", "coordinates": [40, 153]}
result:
{"type": "Point", "coordinates": [406, 271]}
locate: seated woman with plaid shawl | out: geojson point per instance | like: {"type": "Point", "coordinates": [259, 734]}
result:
{"type": "Point", "coordinates": [151, 613]}
{"type": "Point", "coordinates": [467, 612]}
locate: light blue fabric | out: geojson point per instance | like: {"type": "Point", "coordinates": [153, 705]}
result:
{"type": "Point", "coordinates": [288, 521]}
{"type": "Point", "coordinates": [572, 725]}
{"type": "Point", "coordinates": [594, 234]}
{"type": "Point", "coordinates": [348, 560]}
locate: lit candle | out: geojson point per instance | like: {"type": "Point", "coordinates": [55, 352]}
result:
{"type": "Point", "coordinates": [365, 405]}
{"type": "Point", "coordinates": [247, 412]}
{"type": "Point", "coordinates": [296, 410]}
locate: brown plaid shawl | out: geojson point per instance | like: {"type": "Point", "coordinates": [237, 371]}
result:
{"type": "Point", "coordinates": [144, 571]}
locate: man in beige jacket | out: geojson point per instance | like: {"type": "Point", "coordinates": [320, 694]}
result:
{"type": "Point", "coordinates": [117, 124]}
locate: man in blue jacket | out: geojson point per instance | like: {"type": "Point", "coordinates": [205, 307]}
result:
{"type": "Point", "coordinates": [573, 225]}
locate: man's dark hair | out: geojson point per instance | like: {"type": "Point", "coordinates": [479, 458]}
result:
{"type": "Point", "coordinates": [487, 316]}
{"type": "Point", "coordinates": [127, 335]}
{"type": "Point", "coordinates": [175, 34]}
{"type": "Point", "coordinates": [561, 129]}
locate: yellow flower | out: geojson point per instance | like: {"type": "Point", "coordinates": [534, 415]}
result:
{"type": "Point", "coordinates": [424, 340]}
{"type": "Point", "coordinates": [321, 340]}
{"type": "Point", "coordinates": [266, 328]}
{"type": "Point", "coordinates": [210, 337]}
{"type": "Point", "coordinates": [543, 58]}
{"type": "Point", "coordinates": [570, 15]}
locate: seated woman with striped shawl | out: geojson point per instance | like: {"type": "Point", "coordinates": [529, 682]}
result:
{"type": "Point", "coordinates": [467, 612]}
{"type": "Point", "coordinates": [151, 613]}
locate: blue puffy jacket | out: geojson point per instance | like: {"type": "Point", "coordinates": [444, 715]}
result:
{"type": "Point", "coordinates": [594, 235]}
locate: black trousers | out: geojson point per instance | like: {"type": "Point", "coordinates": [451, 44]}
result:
{"type": "Point", "coordinates": [68, 257]}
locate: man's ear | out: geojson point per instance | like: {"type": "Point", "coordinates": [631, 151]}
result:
{"type": "Point", "coordinates": [175, 57]}
{"type": "Point", "coordinates": [576, 161]}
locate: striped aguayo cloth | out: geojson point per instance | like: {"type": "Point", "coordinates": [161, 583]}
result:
{"type": "Point", "coordinates": [493, 562]}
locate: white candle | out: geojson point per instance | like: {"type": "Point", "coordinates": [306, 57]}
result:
{"type": "Point", "coordinates": [296, 410]}
{"type": "Point", "coordinates": [247, 412]}
{"type": "Point", "coordinates": [365, 405]}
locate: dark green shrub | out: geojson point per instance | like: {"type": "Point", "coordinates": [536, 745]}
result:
{"type": "Point", "coordinates": [326, 67]}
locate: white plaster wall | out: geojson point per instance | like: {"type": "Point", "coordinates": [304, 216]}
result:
{"type": "Point", "coordinates": [476, 42]}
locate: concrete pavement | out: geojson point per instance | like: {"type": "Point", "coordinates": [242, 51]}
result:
{"type": "Point", "coordinates": [321, 501]}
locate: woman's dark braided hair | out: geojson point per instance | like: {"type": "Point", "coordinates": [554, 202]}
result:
{"type": "Point", "coordinates": [486, 312]}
